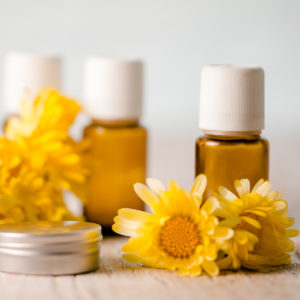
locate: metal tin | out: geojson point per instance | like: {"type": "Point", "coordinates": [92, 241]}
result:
{"type": "Point", "coordinates": [50, 248]}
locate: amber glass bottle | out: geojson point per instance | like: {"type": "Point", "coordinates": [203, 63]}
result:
{"type": "Point", "coordinates": [226, 158]}
{"type": "Point", "coordinates": [232, 117]}
{"type": "Point", "coordinates": [117, 153]}
{"type": "Point", "coordinates": [117, 160]}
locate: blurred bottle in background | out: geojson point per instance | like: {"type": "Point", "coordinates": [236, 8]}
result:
{"type": "Point", "coordinates": [25, 74]}
{"type": "Point", "coordinates": [113, 93]}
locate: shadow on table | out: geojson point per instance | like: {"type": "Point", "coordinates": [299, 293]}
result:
{"type": "Point", "coordinates": [292, 268]}
{"type": "Point", "coordinates": [118, 265]}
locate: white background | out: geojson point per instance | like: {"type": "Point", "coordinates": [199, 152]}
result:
{"type": "Point", "coordinates": [175, 39]}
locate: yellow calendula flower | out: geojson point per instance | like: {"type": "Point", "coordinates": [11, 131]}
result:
{"type": "Point", "coordinates": [39, 160]}
{"type": "Point", "coordinates": [42, 132]}
{"type": "Point", "coordinates": [49, 113]}
{"type": "Point", "coordinates": [181, 234]}
{"type": "Point", "coordinates": [26, 195]}
{"type": "Point", "coordinates": [259, 219]}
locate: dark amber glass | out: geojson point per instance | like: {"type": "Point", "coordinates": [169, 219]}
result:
{"type": "Point", "coordinates": [117, 160]}
{"type": "Point", "coordinates": [226, 158]}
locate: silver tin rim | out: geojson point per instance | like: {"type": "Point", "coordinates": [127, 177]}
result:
{"type": "Point", "coordinates": [50, 248]}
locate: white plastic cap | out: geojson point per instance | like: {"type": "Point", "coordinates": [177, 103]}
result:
{"type": "Point", "coordinates": [231, 99]}
{"type": "Point", "coordinates": [25, 74]}
{"type": "Point", "coordinates": [113, 88]}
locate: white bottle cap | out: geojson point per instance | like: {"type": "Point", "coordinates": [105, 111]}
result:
{"type": "Point", "coordinates": [25, 74]}
{"type": "Point", "coordinates": [113, 88]}
{"type": "Point", "coordinates": [231, 99]}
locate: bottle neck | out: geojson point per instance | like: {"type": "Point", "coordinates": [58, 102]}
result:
{"type": "Point", "coordinates": [115, 123]}
{"type": "Point", "coordinates": [233, 135]}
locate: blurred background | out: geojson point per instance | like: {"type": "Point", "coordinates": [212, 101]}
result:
{"type": "Point", "coordinates": [175, 39]}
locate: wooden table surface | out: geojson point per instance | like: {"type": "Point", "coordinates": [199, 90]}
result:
{"type": "Point", "coordinates": [117, 279]}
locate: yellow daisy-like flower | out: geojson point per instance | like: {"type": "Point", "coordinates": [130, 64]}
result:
{"type": "Point", "coordinates": [41, 129]}
{"type": "Point", "coordinates": [50, 111]}
{"type": "Point", "coordinates": [26, 195]}
{"type": "Point", "coordinates": [181, 234]}
{"type": "Point", "coordinates": [39, 160]}
{"type": "Point", "coordinates": [259, 219]}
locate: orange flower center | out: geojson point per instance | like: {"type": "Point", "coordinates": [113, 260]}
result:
{"type": "Point", "coordinates": [179, 237]}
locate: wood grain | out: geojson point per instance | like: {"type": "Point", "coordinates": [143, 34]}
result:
{"type": "Point", "coordinates": [117, 279]}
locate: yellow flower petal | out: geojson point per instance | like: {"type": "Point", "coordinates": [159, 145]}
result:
{"type": "Point", "coordinates": [262, 189]}
{"type": "Point", "coordinates": [156, 185]}
{"type": "Point", "coordinates": [279, 205]}
{"type": "Point", "coordinates": [227, 194]}
{"type": "Point", "coordinates": [256, 212]}
{"type": "Point", "coordinates": [272, 195]}
{"type": "Point", "coordinates": [236, 263]}
{"type": "Point", "coordinates": [136, 245]}
{"type": "Point", "coordinates": [132, 258]}
{"type": "Point", "coordinates": [211, 268]}
{"type": "Point", "coordinates": [292, 233]}
{"type": "Point", "coordinates": [251, 221]}
{"type": "Point", "coordinates": [134, 214]}
{"type": "Point", "coordinates": [290, 221]}
{"type": "Point", "coordinates": [128, 223]}
{"type": "Point", "coordinates": [198, 188]}
{"type": "Point", "coordinates": [210, 205]}
{"type": "Point", "coordinates": [118, 228]}
{"type": "Point", "coordinates": [241, 237]}
{"type": "Point", "coordinates": [257, 185]}
{"type": "Point", "coordinates": [173, 185]}
{"type": "Point", "coordinates": [223, 233]}
{"type": "Point", "coordinates": [145, 194]}
{"type": "Point", "coordinates": [210, 252]}
{"type": "Point", "coordinates": [242, 186]}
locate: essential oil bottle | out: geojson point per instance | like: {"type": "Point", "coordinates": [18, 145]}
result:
{"type": "Point", "coordinates": [232, 118]}
{"type": "Point", "coordinates": [25, 74]}
{"type": "Point", "coordinates": [113, 92]}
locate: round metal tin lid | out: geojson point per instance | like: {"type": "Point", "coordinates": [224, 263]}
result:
{"type": "Point", "coordinates": [44, 232]}
{"type": "Point", "coordinates": [49, 248]}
